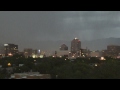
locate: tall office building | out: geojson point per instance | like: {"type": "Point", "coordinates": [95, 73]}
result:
{"type": "Point", "coordinates": [10, 49]}
{"type": "Point", "coordinates": [75, 45]}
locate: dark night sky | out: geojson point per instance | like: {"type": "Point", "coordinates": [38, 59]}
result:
{"type": "Point", "coordinates": [29, 28]}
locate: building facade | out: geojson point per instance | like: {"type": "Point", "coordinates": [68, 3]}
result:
{"type": "Point", "coordinates": [112, 51]}
{"type": "Point", "coordinates": [10, 49]}
{"type": "Point", "coordinates": [83, 53]}
{"type": "Point", "coordinates": [75, 45]}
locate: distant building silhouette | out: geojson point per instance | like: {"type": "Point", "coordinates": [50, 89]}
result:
{"type": "Point", "coordinates": [83, 52]}
{"type": "Point", "coordinates": [64, 47]}
{"type": "Point", "coordinates": [28, 52]}
{"type": "Point", "coordinates": [95, 54]}
{"type": "Point", "coordinates": [75, 45]}
{"type": "Point", "coordinates": [35, 52]}
{"type": "Point", "coordinates": [112, 51]}
{"type": "Point", "coordinates": [10, 49]}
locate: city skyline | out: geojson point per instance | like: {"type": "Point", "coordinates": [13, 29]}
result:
{"type": "Point", "coordinates": [29, 28]}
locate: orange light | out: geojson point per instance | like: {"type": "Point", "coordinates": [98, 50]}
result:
{"type": "Point", "coordinates": [9, 64]}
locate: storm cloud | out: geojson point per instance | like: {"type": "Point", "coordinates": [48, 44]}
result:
{"type": "Point", "coordinates": [27, 28]}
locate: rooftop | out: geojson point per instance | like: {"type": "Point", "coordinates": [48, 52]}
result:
{"type": "Point", "coordinates": [30, 75]}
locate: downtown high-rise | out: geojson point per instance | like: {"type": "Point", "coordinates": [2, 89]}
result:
{"type": "Point", "coordinates": [75, 45]}
{"type": "Point", "coordinates": [10, 49]}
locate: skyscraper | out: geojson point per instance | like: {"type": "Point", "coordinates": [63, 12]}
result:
{"type": "Point", "coordinates": [75, 45]}
{"type": "Point", "coordinates": [10, 49]}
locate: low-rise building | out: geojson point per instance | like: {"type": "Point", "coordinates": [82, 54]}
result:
{"type": "Point", "coordinates": [30, 75]}
{"type": "Point", "coordinates": [95, 54]}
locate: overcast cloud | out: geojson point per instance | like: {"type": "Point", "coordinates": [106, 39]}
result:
{"type": "Point", "coordinates": [24, 27]}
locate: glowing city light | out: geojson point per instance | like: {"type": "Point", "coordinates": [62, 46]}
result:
{"type": "Point", "coordinates": [39, 50]}
{"type": "Point", "coordinates": [95, 64]}
{"type": "Point", "coordinates": [5, 44]}
{"type": "Point", "coordinates": [10, 54]}
{"type": "Point", "coordinates": [33, 56]}
{"type": "Point", "coordinates": [9, 64]}
{"type": "Point", "coordinates": [102, 58]}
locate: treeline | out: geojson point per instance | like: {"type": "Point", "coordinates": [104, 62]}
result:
{"type": "Point", "coordinates": [59, 68]}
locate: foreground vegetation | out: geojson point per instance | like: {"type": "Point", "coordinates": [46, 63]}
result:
{"type": "Point", "coordinates": [81, 68]}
